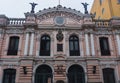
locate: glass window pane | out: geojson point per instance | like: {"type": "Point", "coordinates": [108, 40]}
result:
{"type": "Point", "coordinates": [76, 45]}
{"type": "Point", "coordinates": [105, 44]}
{"type": "Point", "coordinates": [71, 45]}
{"type": "Point", "coordinates": [48, 46]}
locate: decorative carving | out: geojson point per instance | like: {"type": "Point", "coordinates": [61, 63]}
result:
{"type": "Point", "coordinates": [108, 64]}
{"type": "Point", "coordinates": [59, 69]}
{"type": "Point", "coordinates": [14, 31]}
{"type": "Point", "coordinates": [59, 36]}
{"type": "Point", "coordinates": [30, 30]}
{"type": "Point", "coordinates": [89, 31]}
{"type": "Point", "coordinates": [55, 13]}
{"type": "Point", "coordinates": [103, 32]}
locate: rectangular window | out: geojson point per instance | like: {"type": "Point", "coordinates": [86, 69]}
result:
{"type": "Point", "coordinates": [45, 46]}
{"type": "Point", "coordinates": [104, 46]}
{"type": "Point", "coordinates": [13, 46]}
{"type": "Point", "coordinates": [59, 47]}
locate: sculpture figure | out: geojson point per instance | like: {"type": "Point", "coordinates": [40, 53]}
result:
{"type": "Point", "coordinates": [33, 7]}
{"type": "Point", "coordinates": [85, 7]}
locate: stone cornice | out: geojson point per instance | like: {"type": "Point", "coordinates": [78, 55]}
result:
{"type": "Point", "coordinates": [59, 8]}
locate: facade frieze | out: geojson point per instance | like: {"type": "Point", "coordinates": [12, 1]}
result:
{"type": "Point", "coordinates": [14, 31]}
{"type": "Point", "coordinates": [28, 30]}
{"type": "Point", "coordinates": [103, 31]}
{"type": "Point", "coordinates": [108, 65]}
{"type": "Point", "coordinates": [88, 31]}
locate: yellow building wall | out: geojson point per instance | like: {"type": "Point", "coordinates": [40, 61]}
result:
{"type": "Point", "coordinates": [116, 8]}
{"type": "Point", "coordinates": [111, 9]}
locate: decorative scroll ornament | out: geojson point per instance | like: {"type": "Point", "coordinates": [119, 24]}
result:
{"type": "Point", "coordinates": [59, 36]}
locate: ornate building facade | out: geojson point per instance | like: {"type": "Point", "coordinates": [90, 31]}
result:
{"type": "Point", "coordinates": [59, 45]}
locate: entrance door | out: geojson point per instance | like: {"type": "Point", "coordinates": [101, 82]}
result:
{"type": "Point", "coordinates": [76, 74]}
{"type": "Point", "coordinates": [9, 76]}
{"type": "Point", "coordinates": [108, 75]}
{"type": "Point", "coordinates": [43, 74]}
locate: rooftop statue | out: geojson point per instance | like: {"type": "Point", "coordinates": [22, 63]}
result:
{"type": "Point", "coordinates": [33, 7]}
{"type": "Point", "coordinates": [85, 7]}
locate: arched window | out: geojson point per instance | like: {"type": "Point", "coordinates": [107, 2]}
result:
{"type": "Point", "coordinates": [9, 76]}
{"type": "Point", "coordinates": [108, 75]}
{"type": "Point", "coordinates": [45, 46]}
{"type": "Point", "coordinates": [13, 45]}
{"type": "Point", "coordinates": [76, 74]}
{"type": "Point", "coordinates": [74, 46]}
{"type": "Point", "coordinates": [43, 74]}
{"type": "Point", "coordinates": [104, 46]}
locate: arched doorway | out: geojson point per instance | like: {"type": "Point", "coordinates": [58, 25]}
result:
{"type": "Point", "coordinates": [43, 74]}
{"type": "Point", "coordinates": [108, 75]}
{"type": "Point", "coordinates": [76, 74]}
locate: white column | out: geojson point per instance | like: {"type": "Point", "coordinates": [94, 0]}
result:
{"type": "Point", "coordinates": [26, 44]}
{"type": "Point", "coordinates": [51, 47]}
{"type": "Point", "coordinates": [118, 43]}
{"type": "Point", "coordinates": [31, 44]}
{"type": "Point", "coordinates": [67, 47]}
{"type": "Point", "coordinates": [38, 45]}
{"type": "Point", "coordinates": [64, 43]}
{"type": "Point", "coordinates": [92, 45]}
{"type": "Point", "coordinates": [87, 45]}
{"type": "Point", "coordinates": [81, 47]}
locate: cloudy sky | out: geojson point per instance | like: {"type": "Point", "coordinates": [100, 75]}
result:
{"type": "Point", "coordinates": [17, 8]}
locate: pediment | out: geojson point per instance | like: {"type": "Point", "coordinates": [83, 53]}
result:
{"type": "Point", "coordinates": [57, 11]}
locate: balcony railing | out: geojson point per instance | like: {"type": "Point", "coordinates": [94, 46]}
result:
{"type": "Point", "coordinates": [44, 53]}
{"type": "Point", "coordinates": [74, 53]}
{"type": "Point", "coordinates": [105, 52]}
{"type": "Point", "coordinates": [12, 52]}
{"type": "Point", "coordinates": [16, 21]}
{"type": "Point", "coordinates": [102, 23]}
